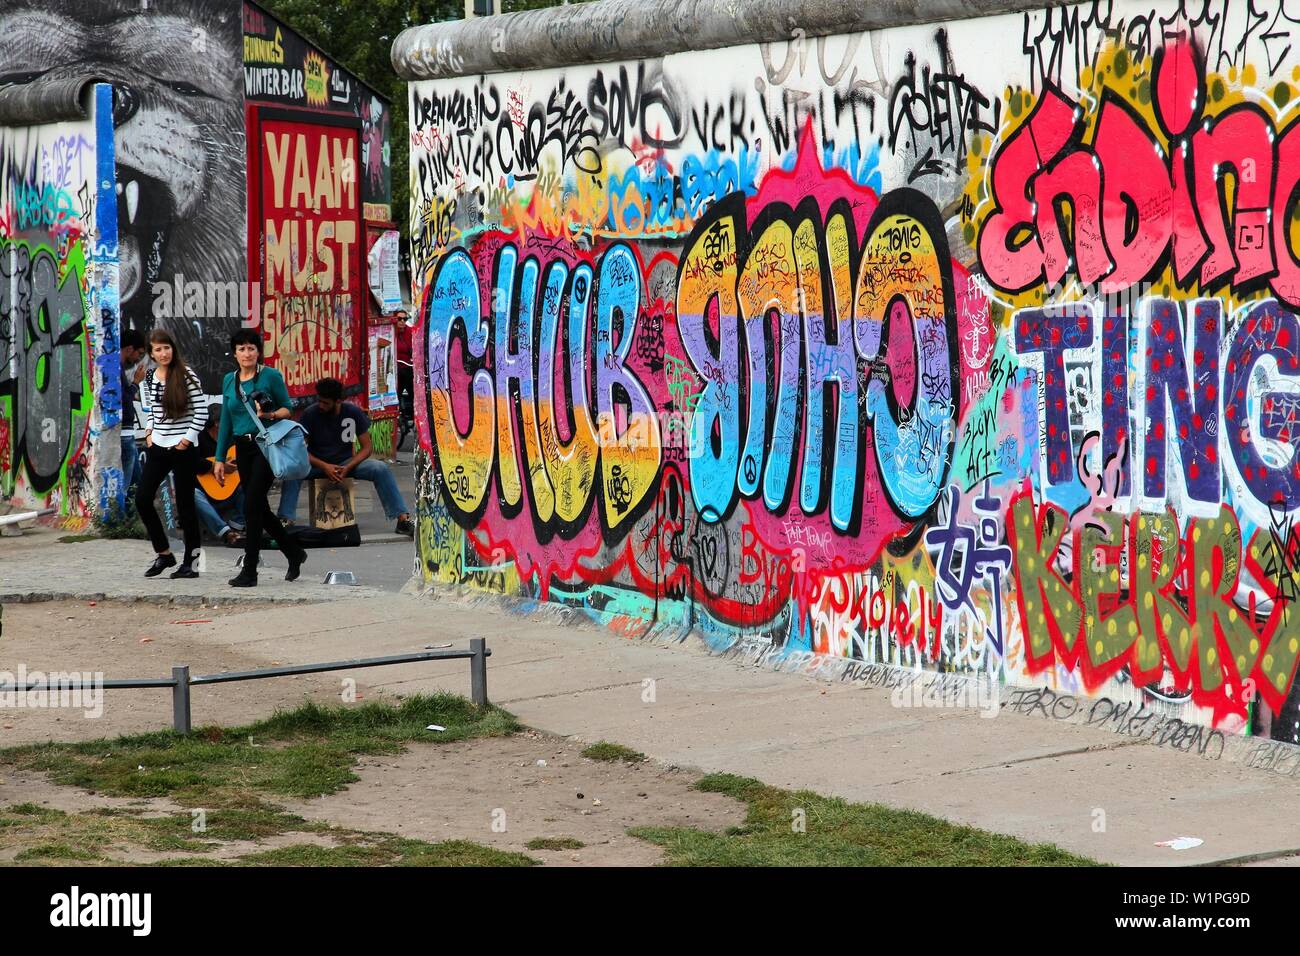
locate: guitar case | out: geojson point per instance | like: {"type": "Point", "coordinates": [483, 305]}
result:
{"type": "Point", "coordinates": [347, 536]}
{"type": "Point", "coordinates": [333, 520]}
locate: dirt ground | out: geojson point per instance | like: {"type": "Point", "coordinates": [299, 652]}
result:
{"type": "Point", "coordinates": [504, 791]}
{"type": "Point", "coordinates": [136, 639]}
{"type": "Point", "coordinates": [499, 792]}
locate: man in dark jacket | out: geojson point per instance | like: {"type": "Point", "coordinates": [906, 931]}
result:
{"type": "Point", "coordinates": [133, 371]}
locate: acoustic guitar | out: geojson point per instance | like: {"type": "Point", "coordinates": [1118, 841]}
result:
{"type": "Point", "coordinates": [209, 484]}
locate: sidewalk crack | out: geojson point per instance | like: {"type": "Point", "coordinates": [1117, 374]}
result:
{"type": "Point", "coordinates": [569, 693]}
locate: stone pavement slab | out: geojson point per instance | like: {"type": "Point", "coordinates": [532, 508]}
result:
{"type": "Point", "coordinates": [37, 566]}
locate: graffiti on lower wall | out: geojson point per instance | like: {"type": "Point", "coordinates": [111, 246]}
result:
{"type": "Point", "coordinates": [383, 438]}
{"type": "Point", "coordinates": [48, 198]}
{"type": "Point", "coordinates": [884, 349]}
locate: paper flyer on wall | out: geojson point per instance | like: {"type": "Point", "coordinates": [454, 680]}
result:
{"type": "Point", "coordinates": [385, 283]}
{"type": "Point", "coordinates": [383, 367]}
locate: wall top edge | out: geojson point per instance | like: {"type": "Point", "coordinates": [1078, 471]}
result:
{"type": "Point", "coordinates": [611, 30]}
{"type": "Point", "coordinates": [46, 101]}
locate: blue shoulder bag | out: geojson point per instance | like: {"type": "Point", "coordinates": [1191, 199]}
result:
{"type": "Point", "coordinates": [283, 442]}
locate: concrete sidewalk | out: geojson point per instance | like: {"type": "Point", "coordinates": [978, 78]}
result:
{"type": "Point", "coordinates": [1037, 779]}
{"type": "Point", "coordinates": [39, 567]}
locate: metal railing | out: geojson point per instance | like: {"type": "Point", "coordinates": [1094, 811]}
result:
{"type": "Point", "coordinates": [180, 682]}
{"type": "Point", "coordinates": [18, 516]}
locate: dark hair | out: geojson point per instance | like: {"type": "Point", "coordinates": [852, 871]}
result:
{"type": "Point", "coordinates": [176, 391]}
{"type": "Point", "coordinates": [214, 413]}
{"type": "Point", "coordinates": [246, 337]}
{"type": "Point", "coordinates": [330, 388]}
{"type": "Point", "coordinates": [131, 339]}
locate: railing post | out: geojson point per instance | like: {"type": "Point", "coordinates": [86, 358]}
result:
{"type": "Point", "coordinates": [478, 672]}
{"type": "Point", "coordinates": [181, 699]}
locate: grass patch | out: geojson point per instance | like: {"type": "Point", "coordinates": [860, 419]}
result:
{"type": "Point", "coordinates": [227, 825]}
{"type": "Point", "coordinates": [114, 836]}
{"type": "Point", "coordinates": [389, 851]}
{"type": "Point", "coordinates": [554, 843]}
{"type": "Point", "coordinates": [77, 538]}
{"type": "Point", "coordinates": [232, 775]}
{"type": "Point", "coordinates": [95, 832]}
{"type": "Point", "coordinates": [306, 752]}
{"type": "Point", "coordinates": [608, 752]}
{"type": "Point", "coordinates": [839, 833]}
{"type": "Point", "coordinates": [121, 522]}
{"type": "Point", "coordinates": [57, 852]}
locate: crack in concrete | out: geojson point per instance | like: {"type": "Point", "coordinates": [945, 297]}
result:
{"type": "Point", "coordinates": [1072, 752]}
{"type": "Point", "coordinates": [569, 693]}
{"type": "Point", "coordinates": [1251, 858]}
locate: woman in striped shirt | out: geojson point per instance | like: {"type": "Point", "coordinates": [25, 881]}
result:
{"type": "Point", "coordinates": [175, 413]}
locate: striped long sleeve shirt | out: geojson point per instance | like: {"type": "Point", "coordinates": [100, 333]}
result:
{"type": "Point", "coordinates": [168, 432]}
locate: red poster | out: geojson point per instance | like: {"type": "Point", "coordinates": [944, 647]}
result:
{"type": "Point", "coordinates": [311, 278]}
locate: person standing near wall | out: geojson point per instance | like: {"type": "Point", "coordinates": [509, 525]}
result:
{"type": "Point", "coordinates": [133, 371]}
{"type": "Point", "coordinates": [254, 384]}
{"type": "Point", "coordinates": [175, 412]}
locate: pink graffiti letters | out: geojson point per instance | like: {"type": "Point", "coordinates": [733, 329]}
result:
{"type": "Point", "coordinates": [1139, 198]}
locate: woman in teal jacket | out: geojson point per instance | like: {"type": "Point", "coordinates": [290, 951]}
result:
{"type": "Point", "coordinates": [265, 391]}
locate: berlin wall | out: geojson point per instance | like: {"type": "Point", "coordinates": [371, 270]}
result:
{"type": "Point", "coordinates": [952, 342]}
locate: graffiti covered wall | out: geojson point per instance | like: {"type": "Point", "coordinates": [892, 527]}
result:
{"type": "Point", "coordinates": [58, 314]}
{"type": "Point", "coordinates": [175, 68]}
{"type": "Point", "coordinates": [319, 148]}
{"type": "Point", "coordinates": [877, 346]}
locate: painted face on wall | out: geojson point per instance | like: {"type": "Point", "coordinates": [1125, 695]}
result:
{"type": "Point", "coordinates": [175, 66]}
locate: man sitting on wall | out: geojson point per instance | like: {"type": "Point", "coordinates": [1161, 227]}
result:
{"type": "Point", "coordinates": [223, 518]}
{"type": "Point", "coordinates": [333, 427]}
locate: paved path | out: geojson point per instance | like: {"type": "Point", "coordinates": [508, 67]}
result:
{"type": "Point", "coordinates": [38, 566]}
{"type": "Point", "coordinates": [1021, 773]}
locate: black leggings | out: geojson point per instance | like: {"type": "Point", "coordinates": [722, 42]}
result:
{"type": "Point", "coordinates": [158, 461]}
{"type": "Point", "coordinates": [256, 478]}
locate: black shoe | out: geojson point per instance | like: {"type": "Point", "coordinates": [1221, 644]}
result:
{"type": "Point", "coordinates": [405, 526]}
{"type": "Point", "coordinates": [186, 570]}
{"type": "Point", "coordinates": [245, 579]}
{"type": "Point", "coordinates": [295, 565]}
{"type": "Point", "coordinates": [160, 564]}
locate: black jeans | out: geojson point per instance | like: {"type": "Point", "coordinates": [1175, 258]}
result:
{"type": "Point", "coordinates": [256, 478]}
{"type": "Point", "coordinates": [183, 465]}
